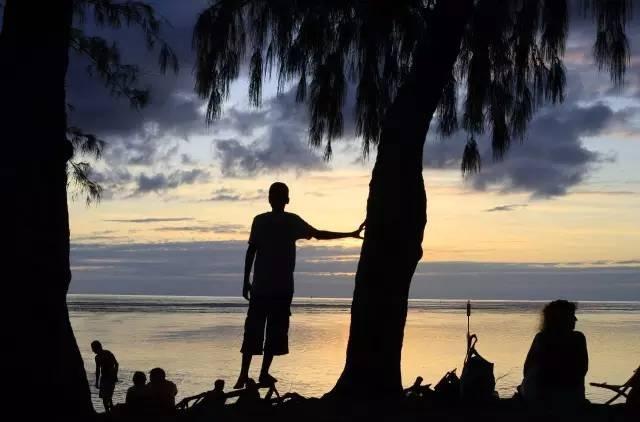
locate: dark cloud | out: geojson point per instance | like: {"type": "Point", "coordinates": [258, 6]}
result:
{"type": "Point", "coordinates": [214, 268]}
{"type": "Point", "coordinates": [112, 179]}
{"type": "Point", "coordinates": [279, 150]}
{"type": "Point", "coordinates": [186, 159]}
{"type": "Point", "coordinates": [143, 148]}
{"type": "Point", "coordinates": [605, 192]}
{"type": "Point", "coordinates": [98, 236]}
{"type": "Point", "coordinates": [283, 110]}
{"type": "Point", "coordinates": [504, 208]}
{"type": "Point", "coordinates": [139, 137]}
{"type": "Point", "coordinates": [149, 220]}
{"type": "Point", "coordinates": [173, 105]}
{"type": "Point", "coordinates": [280, 137]}
{"type": "Point", "coordinates": [281, 143]}
{"type": "Point", "coordinates": [551, 160]}
{"type": "Point", "coordinates": [278, 131]}
{"type": "Point", "coordinates": [246, 122]}
{"type": "Point", "coordinates": [629, 262]}
{"type": "Point", "coordinates": [161, 182]}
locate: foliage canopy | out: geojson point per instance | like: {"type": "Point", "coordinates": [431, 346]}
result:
{"type": "Point", "coordinates": [510, 60]}
{"type": "Point", "coordinates": [121, 79]}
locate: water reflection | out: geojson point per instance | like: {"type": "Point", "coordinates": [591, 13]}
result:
{"type": "Point", "coordinates": [198, 343]}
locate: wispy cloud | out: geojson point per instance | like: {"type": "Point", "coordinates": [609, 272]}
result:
{"type": "Point", "coordinates": [215, 228]}
{"type": "Point", "coordinates": [161, 182]}
{"type": "Point", "coordinates": [606, 192]}
{"type": "Point", "coordinates": [233, 195]}
{"type": "Point", "coordinates": [149, 220]}
{"type": "Point", "coordinates": [506, 208]}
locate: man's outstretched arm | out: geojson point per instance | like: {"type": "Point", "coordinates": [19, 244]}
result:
{"type": "Point", "coordinates": [248, 263]}
{"type": "Point", "coordinates": [327, 235]}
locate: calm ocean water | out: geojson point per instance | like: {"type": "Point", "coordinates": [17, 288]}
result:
{"type": "Point", "coordinates": [197, 339]}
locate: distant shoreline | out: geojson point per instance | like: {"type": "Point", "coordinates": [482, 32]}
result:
{"type": "Point", "coordinates": [298, 298]}
{"type": "Point", "coordinates": [168, 303]}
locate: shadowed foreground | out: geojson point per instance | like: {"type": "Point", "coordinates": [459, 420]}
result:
{"type": "Point", "coordinates": [417, 403]}
{"type": "Point", "coordinates": [409, 409]}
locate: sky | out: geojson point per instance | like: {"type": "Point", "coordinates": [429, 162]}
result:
{"type": "Point", "coordinates": [558, 217]}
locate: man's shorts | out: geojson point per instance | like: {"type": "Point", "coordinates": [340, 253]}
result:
{"type": "Point", "coordinates": [270, 316]}
{"type": "Point", "coordinates": [106, 389]}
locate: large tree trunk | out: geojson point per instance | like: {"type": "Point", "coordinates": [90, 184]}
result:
{"type": "Point", "coordinates": [44, 370]}
{"type": "Point", "coordinates": [396, 216]}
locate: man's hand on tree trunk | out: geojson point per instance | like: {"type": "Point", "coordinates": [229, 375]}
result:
{"type": "Point", "coordinates": [358, 233]}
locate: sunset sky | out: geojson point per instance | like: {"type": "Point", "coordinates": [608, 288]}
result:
{"type": "Point", "coordinates": [558, 216]}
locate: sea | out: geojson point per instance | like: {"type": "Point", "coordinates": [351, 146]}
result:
{"type": "Point", "coordinates": [196, 340]}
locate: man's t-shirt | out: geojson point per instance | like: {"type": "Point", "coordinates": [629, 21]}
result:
{"type": "Point", "coordinates": [107, 363]}
{"type": "Point", "coordinates": [136, 396]}
{"type": "Point", "coordinates": [161, 394]}
{"type": "Point", "coordinates": [274, 235]}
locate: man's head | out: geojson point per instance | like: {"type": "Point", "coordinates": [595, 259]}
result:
{"type": "Point", "coordinates": [139, 379]}
{"type": "Point", "coordinates": [278, 196]}
{"type": "Point", "coordinates": [157, 375]}
{"type": "Point", "coordinates": [96, 346]}
{"type": "Point", "coordinates": [218, 385]}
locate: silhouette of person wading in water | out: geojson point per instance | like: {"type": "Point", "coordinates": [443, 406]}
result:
{"type": "Point", "coordinates": [106, 374]}
{"type": "Point", "coordinates": [272, 243]}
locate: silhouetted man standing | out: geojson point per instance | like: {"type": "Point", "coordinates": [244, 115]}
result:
{"type": "Point", "coordinates": [106, 374]}
{"type": "Point", "coordinates": [272, 243]}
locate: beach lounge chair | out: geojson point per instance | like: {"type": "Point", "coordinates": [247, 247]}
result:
{"type": "Point", "coordinates": [620, 390]}
{"type": "Point", "coordinates": [189, 402]}
{"type": "Point", "coordinates": [271, 391]}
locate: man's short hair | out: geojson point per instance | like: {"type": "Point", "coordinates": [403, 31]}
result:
{"type": "Point", "coordinates": [157, 374]}
{"type": "Point", "coordinates": [139, 378]}
{"type": "Point", "coordinates": [278, 194]}
{"type": "Point", "coordinates": [96, 345]}
{"type": "Point", "coordinates": [278, 190]}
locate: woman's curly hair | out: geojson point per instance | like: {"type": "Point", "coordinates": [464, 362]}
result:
{"type": "Point", "coordinates": [558, 315]}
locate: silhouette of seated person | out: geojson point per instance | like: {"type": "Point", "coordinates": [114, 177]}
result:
{"type": "Point", "coordinates": [208, 403]}
{"type": "Point", "coordinates": [214, 398]}
{"type": "Point", "coordinates": [250, 396]}
{"type": "Point", "coordinates": [557, 362]}
{"type": "Point", "coordinates": [160, 393]}
{"type": "Point", "coordinates": [136, 394]}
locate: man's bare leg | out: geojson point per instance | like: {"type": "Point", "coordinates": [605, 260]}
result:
{"type": "Point", "coordinates": [107, 403]}
{"type": "Point", "coordinates": [244, 371]}
{"type": "Point", "coordinates": [265, 377]}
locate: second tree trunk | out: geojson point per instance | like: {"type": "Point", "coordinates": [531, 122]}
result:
{"type": "Point", "coordinates": [396, 215]}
